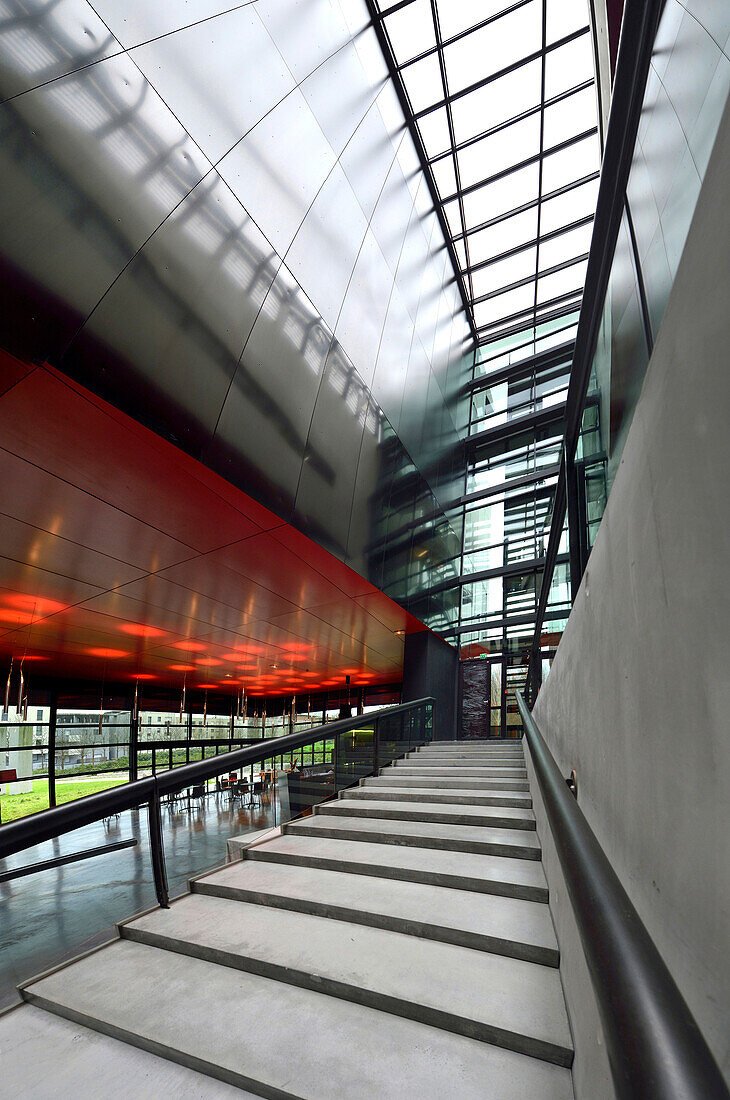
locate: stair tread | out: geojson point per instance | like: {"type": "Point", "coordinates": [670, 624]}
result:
{"type": "Point", "coordinates": [449, 797]}
{"type": "Point", "coordinates": [446, 782]}
{"type": "Point", "coordinates": [261, 1031]}
{"type": "Point", "coordinates": [470, 768]}
{"type": "Point", "coordinates": [40, 1048]}
{"type": "Point", "coordinates": [480, 917]}
{"type": "Point", "coordinates": [381, 858]}
{"type": "Point", "coordinates": [443, 770]}
{"type": "Point", "coordinates": [469, 757]}
{"type": "Point", "coordinates": [345, 807]}
{"type": "Point", "coordinates": [436, 830]}
{"type": "Point", "coordinates": [521, 1002]}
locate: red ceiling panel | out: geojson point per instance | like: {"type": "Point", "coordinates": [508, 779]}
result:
{"type": "Point", "coordinates": [125, 557]}
{"type": "Point", "coordinates": [44, 500]}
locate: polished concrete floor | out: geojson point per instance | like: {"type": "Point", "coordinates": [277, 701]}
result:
{"type": "Point", "coordinates": [50, 916]}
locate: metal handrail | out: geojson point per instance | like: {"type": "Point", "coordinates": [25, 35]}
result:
{"type": "Point", "coordinates": [655, 1047]}
{"type": "Point", "coordinates": [26, 832]}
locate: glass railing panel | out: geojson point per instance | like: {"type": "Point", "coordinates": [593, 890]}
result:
{"type": "Point", "coordinates": [355, 755]}
{"type": "Point", "coordinates": [51, 915]}
{"type": "Point", "coordinates": [395, 737]}
{"type": "Point", "coordinates": [60, 910]}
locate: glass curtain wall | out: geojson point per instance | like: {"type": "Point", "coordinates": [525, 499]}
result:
{"type": "Point", "coordinates": [503, 102]}
{"type": "Point", "coordinates": [511, 477]}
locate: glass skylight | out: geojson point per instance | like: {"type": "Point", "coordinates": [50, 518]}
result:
{"type": "Point", "coordinates": [504, 100]}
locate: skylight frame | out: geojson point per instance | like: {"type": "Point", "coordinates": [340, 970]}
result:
{"type": "Point", "coordinates": [563, 174]}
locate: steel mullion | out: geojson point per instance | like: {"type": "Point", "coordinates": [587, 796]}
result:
{"type": "Point", "coordinates": [560, 299]}
{"type": "Point", "coordinates": [519, 347]}
{"type": "Point", "coordinates": [485, 338]}
{"type": "Point", "coordinates": [380, 15]}
{"type": "Point", "coordinates": [463, 34]}
{"type": "Point", "coordinates": [513, 120]}
{"type": "Point", "coordinates": [400, 89]}
{"type": "Point", "coordinates": [488, 337]}
{"type": "Point", "coordinates": [515, 251]}
{"type": "Point", "coordinates": [529, 279]}
{"type": "Point", "coordinates": [477, 85]}
{"type": "Point", "coordinates": [452, 137]}
{"type": "Point", "coordinates": [556, 194]}
{"type": "Point", "coordinates": [541, 162]}
{"type": "Point", "coordinates": [504, 172]}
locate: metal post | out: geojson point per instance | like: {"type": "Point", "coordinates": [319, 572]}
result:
{"type": "Point", "coordinates": [157, 850]}
{"type": "Point", "coordinates": [571, 485]}
{"type": "Point", "coordinates": [133, 745]}
{"type": "Point", "coordinates": [376, 726]}
{"type": "Point", "coordinates": [52, 722]}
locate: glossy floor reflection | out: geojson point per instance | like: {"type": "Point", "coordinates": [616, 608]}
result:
{"type": "Point", "coordinates": [55, 914]}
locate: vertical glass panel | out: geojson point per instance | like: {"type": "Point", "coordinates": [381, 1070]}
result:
{"type": "Point", "coordinates": [355, 755]}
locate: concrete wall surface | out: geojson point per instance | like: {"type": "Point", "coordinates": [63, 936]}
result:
{"type": "Point", "coordinates": [638, 698]}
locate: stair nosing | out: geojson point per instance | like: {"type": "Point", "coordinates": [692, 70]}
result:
{"type": "Point", "coordinates": [446, 844]}
{"type": "Point", "coordinates": [427, 930]}
{"type": "Point", "coordinates": [498, 887]}
{"type": "Point", "coordinates": [342, 807]}
{"type": "Point", "coordinates": [366, 996]}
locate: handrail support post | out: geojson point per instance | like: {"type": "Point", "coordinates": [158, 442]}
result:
{"type": "Point", "coordinates": [157, 849]}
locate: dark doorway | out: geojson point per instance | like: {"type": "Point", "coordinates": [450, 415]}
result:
{"type": "Point", "coordinates": [487, 703]}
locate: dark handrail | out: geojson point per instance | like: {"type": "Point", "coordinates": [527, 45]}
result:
{"type": "Point", "coordinates": [638, 32]}
{"type": "Point", "coordinates": [47, 824]}
{"type": "Point", "coordinates": [26, 832]}
{"type": "Point", "coordinates": [655, 1048]}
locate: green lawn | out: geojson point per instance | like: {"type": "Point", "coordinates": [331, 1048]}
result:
{"type": "Point", "coordinates": [14, 806]}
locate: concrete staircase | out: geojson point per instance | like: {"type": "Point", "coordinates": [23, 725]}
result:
{"type": "Point", "coordinates": [397, 943]}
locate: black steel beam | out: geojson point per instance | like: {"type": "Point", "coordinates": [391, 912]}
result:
{"type": "Point", "coordinates": [638, 33]}
{"type": "Point", "coordinates": [413, 130]}
{"type": "Point", "coordinates": [492, 77]}
{"type": "Point", "coordinates": [531, 278]}
{"type": "Point", "coordinates": [534, 364]}
{"type": "Point", "coordinates": [501, 624]}
{"type": "Point", "coordinates": [570, 300]}
{"type": "Point", "coordinates": [552, 235]}
{"type": "Point", "coordinates": [463, 34]}
{"type": "Point", "coordinates": [534, 158]}
{"type": "Point", "coordinates": [530, 205]}
{"type": "Point", "coordinates": [515, 427]}
{"type": "Point", "coordinates": [507, 487]}
{"type": "Point", "coordinates": [514, 330]}
{"type": "Point", "coordinates": [511, 121]}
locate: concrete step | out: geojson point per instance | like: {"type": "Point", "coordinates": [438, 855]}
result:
{"type": "Point", "coordinates": [461, 762]}
{"type": "Point", "coordinates": [467, 754]}
{"type": "Point", "coordinates": [392, 778]}
{"type": "Point", "coordinates": [496, 817]}
{"type": "Point", "coordinates": [474, 742]}
{"type": "Point", "coordinates": [476, 747]}
{"type": "Point", "coordinates": [459, 750]}
{"type": "Point", "coordinates": [503, 760]}
{"type": "Point", "coordinates": [46, 1056]}
{"type": "Point", "coordinates": [501, 875]}
{"type": "Point", "coordinates": [509, 1002]}
{"type": "Point", "coordinates": [435, 768]}
{"type": "Point", "coordinates": [519, 843]}
{"type": "Point", "coordinates": [277, 1039]}
{"type": "Point", "coordinates": [483, 922]}
{"type": "Point", "coordinates": [517, 799]}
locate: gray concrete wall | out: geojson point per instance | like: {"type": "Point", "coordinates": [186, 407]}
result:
{"type": "Point", "coordinates": [638, 699]}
